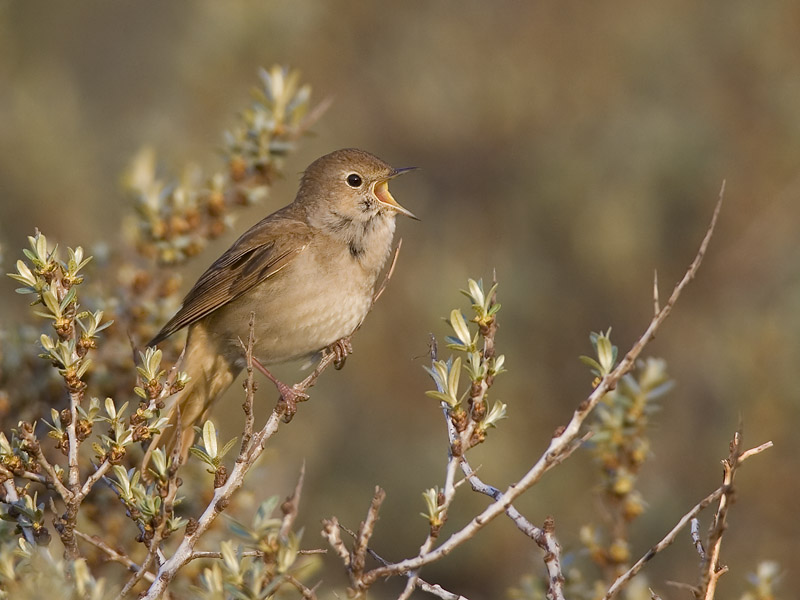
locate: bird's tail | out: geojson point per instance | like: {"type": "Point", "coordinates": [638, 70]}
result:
{"type": "Point", "coordinates": [210, 374]}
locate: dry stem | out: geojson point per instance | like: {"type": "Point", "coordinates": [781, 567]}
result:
{"type": "Point", "coordinates": [720, 492]}
{"type": "Point", "coordinates": [563, 442]}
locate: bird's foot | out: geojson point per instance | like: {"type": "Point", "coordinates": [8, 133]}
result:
{"type": "Point", "coordinates": [341, 349]}
{"type": "Point", "coordinates": [290, 396]}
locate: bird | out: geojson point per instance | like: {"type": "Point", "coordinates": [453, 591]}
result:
{"type": "Point", "coordinates": [307, 273]}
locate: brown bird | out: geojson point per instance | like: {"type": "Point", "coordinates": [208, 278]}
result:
{"type": "Point", "coordinates": [307, 271]}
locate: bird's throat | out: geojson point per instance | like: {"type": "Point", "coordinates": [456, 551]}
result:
{"type": "Point", "coordinates": [369, 241]}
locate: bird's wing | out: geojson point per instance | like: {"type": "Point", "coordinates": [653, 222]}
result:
{"type": "Point", "coordinates": [261, 252]}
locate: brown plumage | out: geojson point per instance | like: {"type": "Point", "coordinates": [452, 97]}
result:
{"type": "Point", "coordinates": [307, 271]}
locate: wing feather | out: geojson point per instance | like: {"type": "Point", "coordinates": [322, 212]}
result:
{"type": "Point", "coordinates": [260, 253]}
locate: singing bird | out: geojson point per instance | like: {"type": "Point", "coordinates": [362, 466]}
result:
{"type": "Point", "coordinates": [307, 272]}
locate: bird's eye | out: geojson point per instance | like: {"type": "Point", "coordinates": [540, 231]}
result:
{"type": "Point", "coordinates": [354, 180]}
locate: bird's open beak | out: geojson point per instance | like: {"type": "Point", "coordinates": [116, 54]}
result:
{"type": "Point", "coordinates": [385, 198]}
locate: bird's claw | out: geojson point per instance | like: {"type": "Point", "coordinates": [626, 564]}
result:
{"type": "Point", "coordinates": [290, 396]}
{"type": "Point", "coordinates": [341, 349]}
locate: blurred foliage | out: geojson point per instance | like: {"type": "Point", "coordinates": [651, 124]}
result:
{"type": "Point", "coordinates": [69, 346]}
{"type": "Point", "coordinates": [581, 145]}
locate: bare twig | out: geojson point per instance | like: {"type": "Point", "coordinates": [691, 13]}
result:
{"type": "Point", "coordinates": [113, 554]}
{"type": "Point", "coordinates": [552, 560]}
{"type": "Point", "coordinates": [154, 543]}
{"type": "Point", "coordinates": [565, 438]}
{"type": "Point", "coordinates": [694, 531]}
{"type": "Point", "coordinates": [365, 531]}
{"type": "Point", "coordinates": [249, 388]}
{"type": "Point", "coordinates": [312, 117]}
{"type": "Point", "coordinates": [306, 592]}
{"type": "Point", "coordinates": [219, 502]}
{"type": "Point", "coordinates": [332, 531]}
{"type": "Point", "coordinates": [247, 458]}
{"type": "Point", "coordinates": [12, 496]}
{"type": "Point", "coordinates": [712, 570]}
{"type": "Point", "coordinates": [434, 589]}
{"type": "Point", "coordinates": [389, 272]}
{"type": "Point", "coordinates": [29, 475]}
{"type": "Point", "coordinates": [255, 553]}
{"type": "Point", "coordinates": [33, 444]}
{"type": "Point", "coordinates": [656, 303]}
{"type": "Point", "coordinates": [668, 539]}
{"type": "Point", "coordinates": [544, 537]}
{"type": "Point", "coordinates": [98, 474]}
{"type": "Point", "coordinates": [291, 506]}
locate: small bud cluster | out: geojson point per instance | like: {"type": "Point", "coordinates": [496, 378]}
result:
{"type": "Point", "coordinates": [619, 445]}
{"type": "Point", "coordinates": [467, 409]}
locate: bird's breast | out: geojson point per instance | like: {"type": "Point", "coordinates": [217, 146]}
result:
{"type": "Point", "coordinates": [320, 297]}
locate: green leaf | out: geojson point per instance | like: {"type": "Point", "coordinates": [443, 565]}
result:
{"type": "Point", "coordinates": [210, 439]}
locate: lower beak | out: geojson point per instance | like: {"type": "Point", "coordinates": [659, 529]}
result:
{"type": "Point", "coordinates": [386, 198]}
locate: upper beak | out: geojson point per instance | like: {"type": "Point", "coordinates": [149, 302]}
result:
{"type": "Point", "coordinates": [384, 197]}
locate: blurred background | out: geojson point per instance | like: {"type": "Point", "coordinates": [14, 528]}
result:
{"type": "Point", "coordinates": [573, 147]}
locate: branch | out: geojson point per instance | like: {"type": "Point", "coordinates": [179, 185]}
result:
{"type": "Point", "coordinates": [246, 459]}
{"type": "Point", "coordinates": [365, 531]}
{"type": "Point", "coordinates": [93, 478]}
{"type": "Point", "coordinates": [433, 589]}
{"type": "Point", "coordinates": [688, 517]}
{"type": "Point", "coordinates": [113, 554]}
{"type": "Point", "coordinates": [712, 570]}
{"type": "Point", "coordinates": [565, 438]}
{"type": "Point", "coordinates": [291, 506]}
{"type": "Point", "coordinates": [218, 503]}
{"type": "Point", "coordinates": [694, 531]}
{"type": "Point", "coordinates": [666, 541]}
{"type": "Point", "coordinates": [36, 449]}
{"type": "Point", "coordinates": [29, 475]}
{"type": "Point", "coordinates": [249, 388]}
{"type": "Point", "coordinates": [12, 496]}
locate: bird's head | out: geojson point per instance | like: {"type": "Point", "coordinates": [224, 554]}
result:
{"type": "Point", "coordinates": [350, 186]}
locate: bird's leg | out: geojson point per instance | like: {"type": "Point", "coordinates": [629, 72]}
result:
{"type": "Point", "coordinates": [341, 349]}
{"type": "Point", "coordinates": [289, 395]}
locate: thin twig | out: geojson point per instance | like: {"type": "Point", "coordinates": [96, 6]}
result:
{"type": "Point", "coordinates": [11, 497]}
{"type": "Point", "coordinates": [656, 303]}
{"type": "Point", "coordinates": [218, 503]}
{"type": "Point", "coordinates": [307, 592]}
{"type": "Point", "coordinates": [365, 531]}
{"type": "Point", "coordinates": [434, 589]}
{"type": "Point", "coordinates": [331, 531]}
{"type": "Point", "coordinates": [565, 438]}
{"type": "Point", "coordinates": [154, 554]}
{"type": "Point", "coordinates": [36, 448]}
{"type": "Point", "coordinates": [389, 272]}
{"type": "Point", "coordinates": [694, 531]}
{"type": "Point", "coordinates": [311, 117]}
{"type": "Point", "coordinates": [291, 506]}
{"type": "Point", "coordinates": [712, 570]}
{"type": "Point", "coordinates": [29, 475]}
{"type": "Point", "coordinates": [249, 388]}
{"type": "Point", "coordinates": [113, 554]}
{"type": "Point", "coordinates": [223, 494]}
{"type": "Point", "coordinates": [254, 553]}
{"type": "Point", "coordinates": [666, 541]}
{"type": "Point", "coordinates": [93, 478]}
{"type": "Point", "coordinates": [552, 560]}
{"type": "Point", "coordinates": [673, 533]}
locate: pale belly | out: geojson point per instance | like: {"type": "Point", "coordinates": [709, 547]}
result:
{"type": "Point", "coordinates": [295, 317]}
